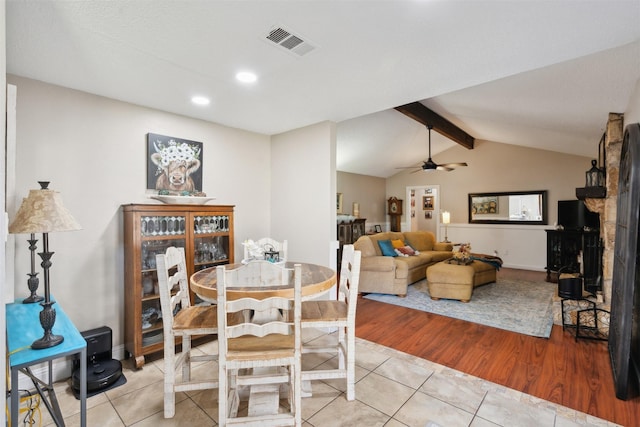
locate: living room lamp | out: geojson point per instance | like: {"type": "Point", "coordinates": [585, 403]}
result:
{"type": "Point", "coordinates": [43, 212]}
{"type": "Point", "coordinates": [446, 219]}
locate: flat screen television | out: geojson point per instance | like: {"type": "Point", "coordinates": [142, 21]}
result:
{"type": "Point", "coordinates": [574, 215]}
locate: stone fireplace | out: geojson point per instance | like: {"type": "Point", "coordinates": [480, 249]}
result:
{"type": "Point", "coordinates": [606, 208]}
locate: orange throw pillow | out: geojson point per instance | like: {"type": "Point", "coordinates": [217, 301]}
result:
{"type": "Point", "coordinates": [397, 243]}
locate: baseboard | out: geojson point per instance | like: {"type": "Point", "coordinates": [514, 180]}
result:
{"type": "Point", "coordinates": [524, 267]}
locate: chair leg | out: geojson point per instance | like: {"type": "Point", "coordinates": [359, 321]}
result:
{"type": "Point", "coordinates": [169, 378]}
{"type": "Point", "coordinates": [233, 393]}
{"type": "Point", "coordinates": [222, 397]}
{"type": "Point", "coordinates": [342, 347]}
{"type": "Point", "coordinates": [296, 405]}
{"type": "Point", "coordinates": [351, 364]}
{"type": "Point", "coordinates": [186, 366]}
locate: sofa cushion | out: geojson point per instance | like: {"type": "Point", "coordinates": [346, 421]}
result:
{"type": "Point", "coordinates": [366, 247]}
{"type": "Point", "coordinates": [387, 248]}
{"type": "Point", "coordinates": [378, 264]}
{"type": "Point", "coordinates": [420, 240]}
{"type": "Point", "coordinates": [404, 264]}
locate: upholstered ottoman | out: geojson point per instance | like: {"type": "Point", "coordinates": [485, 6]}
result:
{"type": "Point", "coordinates": [454, 281]}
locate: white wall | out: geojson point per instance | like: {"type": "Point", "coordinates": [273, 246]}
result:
{"type": "Point", "coordinates": [93, 151]}
{"type": "Point", "coordinates": [414, 216]}
{"type": "Point", "coordinates": [632, 114]}
{"type": "Point", "coordinates": [303, 192]}
{"type": "Point", "coordinates": [519, 246]}
{"type": "Point", "coordinates": [368, 192]}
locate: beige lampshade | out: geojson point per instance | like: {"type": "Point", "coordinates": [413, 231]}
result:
{"type": "Point", "coordinates": [43, 212]}
{"type": "Point", "coordinates": [446, 217]}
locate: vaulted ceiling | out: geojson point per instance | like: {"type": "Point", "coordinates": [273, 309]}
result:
{"type": "Point", "coordinates": [541, 74]}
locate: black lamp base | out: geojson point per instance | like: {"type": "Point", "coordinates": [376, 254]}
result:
{"type": "Point", "coordinates": [47, 341]}
{"type": "Point", "coordinates": [47, 320]}
{"type": "Point", "coordinates": [33, 298]}
{"type": "Point", "coordinates": [33, 281]}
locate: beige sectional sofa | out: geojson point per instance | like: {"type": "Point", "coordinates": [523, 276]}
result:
{"type": "Point", "coordinates": [391, 275]}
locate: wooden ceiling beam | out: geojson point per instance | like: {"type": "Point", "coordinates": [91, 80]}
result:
{"type": "Point", "coordinates": [418, 112]}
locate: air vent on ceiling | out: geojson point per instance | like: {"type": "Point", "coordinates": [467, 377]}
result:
{"type": "Point", "coordinates": [289, 41]}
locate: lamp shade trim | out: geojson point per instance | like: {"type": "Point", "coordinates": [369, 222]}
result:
{"type": "Point", "coordinates": [43, 212]}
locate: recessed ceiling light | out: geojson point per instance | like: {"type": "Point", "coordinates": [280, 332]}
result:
{"type": "Point", "coordinates": [200, 100]}
{"type": "Point", "coordinates": [246, 77]}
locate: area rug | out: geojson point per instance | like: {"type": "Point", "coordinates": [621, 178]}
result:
{"type": "Point", "coordinates": [520, 306]}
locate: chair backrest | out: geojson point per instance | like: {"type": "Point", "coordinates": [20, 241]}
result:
{"type": "Point", "coordinates": [267, 242]}
{"type": "Point", "coordinates": [172, 270]}
{"type": "Point", "coordinates": [276, 324]}
{"type": "Point", "coordinates": [349, 278]}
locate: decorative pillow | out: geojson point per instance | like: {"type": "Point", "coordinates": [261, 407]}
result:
{"type": "Point", "coordinates": [397, 243]}
{"type": "Point", "coordinates": [406, 250]}
{"type": "Point", "coordinates": [387, 248]}
{"type": "Point", "coordinates": [399, 252]}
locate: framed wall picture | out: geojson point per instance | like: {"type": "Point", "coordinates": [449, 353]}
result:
{"type": "Point", "coordinates": [427, 203]}
{"type": "Point", "coordinates": [485, 205]}
{"type": "Point", "coordinates": [428, 214]}
{"type": "Point", "coordinates": [173, 164]}
{"type": "Point", "coordinates": [339, 203]}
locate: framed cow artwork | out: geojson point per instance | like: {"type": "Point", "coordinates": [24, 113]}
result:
{"type": "Point", "coordinates": [174, 165]}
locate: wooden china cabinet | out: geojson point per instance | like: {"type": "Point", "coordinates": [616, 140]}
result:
{"type": "Point", "coordinates": [206, 234]}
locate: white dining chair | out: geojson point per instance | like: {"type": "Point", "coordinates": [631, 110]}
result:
{"type": "Point", "coordinates": [259, 355]}
{"type": "Point", "coordinates": [341, 314]}
{"type": "Point", "coordinates": [187, 322]}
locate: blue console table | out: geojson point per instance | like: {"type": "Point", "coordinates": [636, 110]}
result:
{"type": "Point", "coordinates": [23, 327]}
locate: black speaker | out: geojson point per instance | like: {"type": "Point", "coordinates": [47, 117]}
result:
{"type": "Point", "coordinates": [103, 372]}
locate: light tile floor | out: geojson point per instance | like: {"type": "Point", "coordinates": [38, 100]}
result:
{"type": "Point", "coordinates": [393, 389]}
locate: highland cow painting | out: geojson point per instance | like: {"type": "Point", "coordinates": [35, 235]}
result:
{"type": "Point", "coordinates": [174, 165]}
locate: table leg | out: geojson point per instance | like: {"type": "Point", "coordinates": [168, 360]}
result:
{"type": "Point", "coordinates": [49, 400]}
{"type": "Point", "coordinates": [15, 397]}
{"type": "Point", "coordinates": [83, 387]}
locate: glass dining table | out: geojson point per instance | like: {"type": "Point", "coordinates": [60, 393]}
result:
{"type": "Point", "coordinates": [316, 280]}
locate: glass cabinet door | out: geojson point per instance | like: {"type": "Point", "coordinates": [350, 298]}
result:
{"type": "Point", "coordinates": [158, 234]}
{"type": "Point", "coordinates": [211, 241]}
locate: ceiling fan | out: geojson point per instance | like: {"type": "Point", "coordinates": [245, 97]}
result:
{"type": "Point", "coordinates": [430, 165]}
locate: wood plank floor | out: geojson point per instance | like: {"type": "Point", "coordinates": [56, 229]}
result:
{"type": "Point", "coordinates": [559, 369]}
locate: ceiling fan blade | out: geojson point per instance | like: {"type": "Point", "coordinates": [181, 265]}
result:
{"type": "Point", "coordinates": [454, 165]}
{"type": "Point", "coordinates": [444, 168]}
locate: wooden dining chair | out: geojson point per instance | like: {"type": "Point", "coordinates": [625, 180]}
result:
{"type": "Point", "coordinates": [268, 242]}
{"type": "Point", "coordinates": [341, 314]}
{"type": "Point", "coordinates": [259, 355]}
{"type": "Point", "coordinates": [187, 321]}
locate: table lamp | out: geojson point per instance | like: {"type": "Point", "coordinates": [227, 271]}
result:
{"type": "Point", "coordinates": [33, 281]}
{"type": "Point", "coordinates": [43, 212]}
{"type": "Point", "coordinates": [446, 219]}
